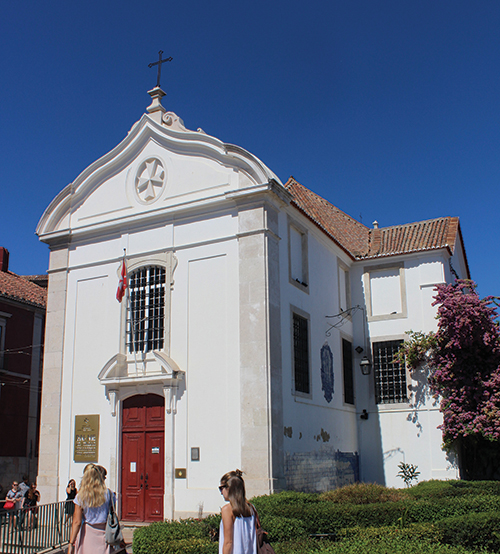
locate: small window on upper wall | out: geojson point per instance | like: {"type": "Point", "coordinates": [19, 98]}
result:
{"type": "Point", "coordinates": [297, 254]}
{"type": "Point", "coordinates": [344, 288]}
{"type": "Point", "coordinates": [385, 292]}
{"type": "Point", "coordinates": [301, 354]}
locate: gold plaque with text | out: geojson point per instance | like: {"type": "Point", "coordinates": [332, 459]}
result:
{"type": "Point", "coordinates": [86, 438]}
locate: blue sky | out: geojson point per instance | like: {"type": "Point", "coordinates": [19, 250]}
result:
{"type": "Point", "coordinates": [388, 109]}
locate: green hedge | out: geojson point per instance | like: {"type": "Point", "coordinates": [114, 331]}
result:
{"type": "Point", "coordinates": [327, 517]}
{"type": "Point", "coordinates": [453, 488]}
{"type": "Point", "coordinates": [475, 530]}
{"type": "Point", "coordinates": [186, 536]}
{"type": "Point", "coordinates": [437, 517]}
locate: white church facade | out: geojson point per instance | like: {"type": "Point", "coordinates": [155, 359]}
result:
{"type": "Point", "coordinates": [250, 306]}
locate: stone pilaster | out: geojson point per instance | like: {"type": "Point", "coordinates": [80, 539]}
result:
{"type": "Point", "coordinates": [48, 460]}
{"type": "Point", "coordinates": [260, 352]}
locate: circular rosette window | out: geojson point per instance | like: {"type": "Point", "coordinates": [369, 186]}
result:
{"type": "Point", "coordinates": [150, 180]}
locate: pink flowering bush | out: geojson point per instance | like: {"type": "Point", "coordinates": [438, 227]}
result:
{"type": "Point", "coordinates": [464, 361]}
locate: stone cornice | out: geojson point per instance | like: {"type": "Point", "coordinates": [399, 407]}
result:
{"type": "Point", "coordinates": [270, 191]}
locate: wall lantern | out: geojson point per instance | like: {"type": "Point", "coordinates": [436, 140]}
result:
{"type": "Point", "coordinates": [365, 365]}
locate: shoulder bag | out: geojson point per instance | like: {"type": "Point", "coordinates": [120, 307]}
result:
{"type": "Point", "coordinates": [263, 547]}
{"type": "Point", "coordinates": [113, 532]}
{"type": "Point", "coordinates": [9, 505]}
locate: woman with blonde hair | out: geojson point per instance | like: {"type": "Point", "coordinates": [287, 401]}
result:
{"type": "Point", "coordinates": [237, 533]}
{"type": "Point", "coordinates": [91, 511]}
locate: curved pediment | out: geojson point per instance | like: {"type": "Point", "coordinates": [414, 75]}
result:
{"type": "Point", "coordinates": [156, 167]}
{"type": "Point", "coordinates": [117, 371]}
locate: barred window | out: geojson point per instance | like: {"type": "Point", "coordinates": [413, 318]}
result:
{"type": "Point", "coordinates": [146, 311]}
{"type": "Point", "coordinates": [390, 375]}
{"type": "Point", "coordinates": [348, 372]}
{"type": "Point", "coordinates": [301, 353]}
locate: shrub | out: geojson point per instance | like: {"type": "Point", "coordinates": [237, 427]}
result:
{"type": "Point", "coordinates": [362, 493]}
{"type": "Point", "coordinates": [474, 530]}
{"type": "Point", "coordinates": [211, 524]}
{"type": "Point", "coordinates": [434, 517]}
{"type": "Point", "coordinates": [281, 529]}
{"type": "Point", "coordinates": [442, 508]}
{"type": "Point", "coordinates": [275, 503]}
{"type": "Point", "coordinates": [392, 544]}
{"type": "Point", "coordinates": [187, 536]}
{"type": "Point", "coordinates": [453, 488]}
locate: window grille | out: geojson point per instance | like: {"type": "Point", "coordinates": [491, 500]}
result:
{"type": "Point", "coordinates": [390, 375]}
{"type": "Point", "coordinates": [348, 372]}
{"type": "Point", "coordinates": [146, 311]}
{"type": "Point", "coordinates": [301, 353]}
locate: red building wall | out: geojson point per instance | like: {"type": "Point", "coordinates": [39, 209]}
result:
{"type": "Point", "coordinates": [15, 389]}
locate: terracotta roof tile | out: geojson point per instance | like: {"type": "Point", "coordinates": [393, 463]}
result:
{"type": "Point", "coordinates": [351, 235]}
{"type": "Point", "coordinates": [16, 287]}
{"type": "Point", "coordinates": [414, 237]}
{"type": "Point", "coordinates": [361, 242]}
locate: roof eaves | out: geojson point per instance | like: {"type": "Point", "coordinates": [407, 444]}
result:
{"type": "Point", "coordinates": [23, 300]}
{"type": "Point", "coordinates": [403, 252]}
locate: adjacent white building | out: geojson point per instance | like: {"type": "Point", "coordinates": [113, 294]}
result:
{"type": "Point", "coordinates": [238, 344]}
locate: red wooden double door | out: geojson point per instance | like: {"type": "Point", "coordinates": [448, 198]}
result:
{"type": "Point", "coordinates": [142, 459]}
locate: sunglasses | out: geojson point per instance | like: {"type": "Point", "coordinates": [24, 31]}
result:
{"type": "Point", "coordinates": [222, 487]}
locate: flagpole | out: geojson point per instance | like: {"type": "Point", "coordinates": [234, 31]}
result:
{"type": "Point", "coordinates": [128, 303]}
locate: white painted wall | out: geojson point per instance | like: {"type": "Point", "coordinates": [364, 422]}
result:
{"type": "Point", "coordinates": [406, 432]}
{"type": "Point", "coordinates": [312, 424]}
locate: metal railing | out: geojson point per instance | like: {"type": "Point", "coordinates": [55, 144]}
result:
{"type": "Point", "coordinates": [33, 530]}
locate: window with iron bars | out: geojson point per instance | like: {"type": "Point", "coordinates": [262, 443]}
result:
{"type": "Point", "coordinates": [390, 375]}
{"type": "Point", "coordinates": [146, 310]}
{"type": "Point", "coordinates": [301, 353]}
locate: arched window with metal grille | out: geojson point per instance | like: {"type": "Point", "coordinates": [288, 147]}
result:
{"type": "Point", "coordinates": [146, 309]}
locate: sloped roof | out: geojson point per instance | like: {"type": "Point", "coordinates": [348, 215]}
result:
{"type": "Point", "coordinates": [40, 280]}
{"type": "Point", "coordinates": [360, 242]}
{"type": "Point", "coordinates": [351, 235]}
{"type": "Point", "coordinates": [414, 237]}
{"type": "Point", "coordinates": [16, 287]}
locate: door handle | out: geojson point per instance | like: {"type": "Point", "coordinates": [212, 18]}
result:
{"type": "Point", "coordinates": [141, 476]}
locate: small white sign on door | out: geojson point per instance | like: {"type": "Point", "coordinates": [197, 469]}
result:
{"type": "Point", "coordinates": [133, 467]}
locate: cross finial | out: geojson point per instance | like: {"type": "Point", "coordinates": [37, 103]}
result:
{"type": "Point", "coordinates": [158, 63]}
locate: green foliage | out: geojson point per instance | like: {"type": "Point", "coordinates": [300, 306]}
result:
{"type": "Point", "coordinates": [362, 493]}
{"type": "Point", "coordinates": [453, 488]}
{"type": "Point", "coordinates": [417, 349]}
{"type": "Point", "coordinates": [433, 517]}
{"type": "Point", "coordinates": [391, 543]}
{"type": "Point", "coordinates": [473, 530]}
{"type": "Point", "coordinates": [278, 501]}
{"type": "Point", "coordinates": [188, 536]}
{"type": "Point", "coordinates": [408, 472]}
{"type": "Point", "coordinates": [281, 529]}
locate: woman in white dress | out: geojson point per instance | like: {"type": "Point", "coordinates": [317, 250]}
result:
{"type": "Point", "coordinates": [237, 533]}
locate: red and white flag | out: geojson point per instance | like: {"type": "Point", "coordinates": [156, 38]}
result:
{"type": "Point", "coordinates": [122, 284]}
